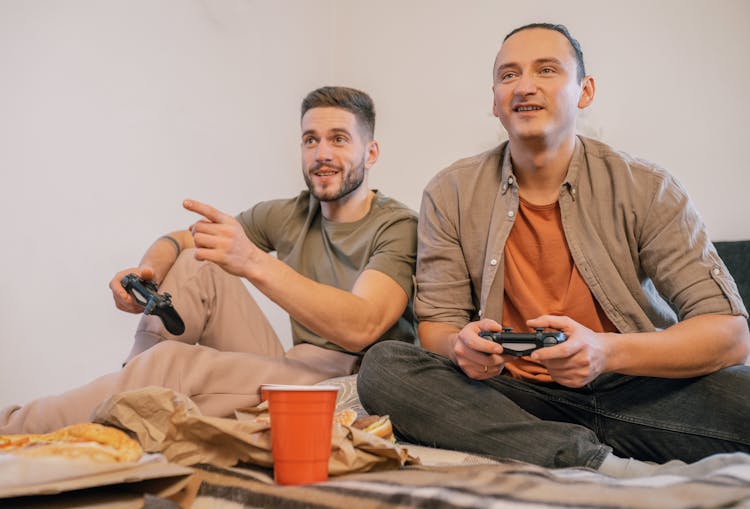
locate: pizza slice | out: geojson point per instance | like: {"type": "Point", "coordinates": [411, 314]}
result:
{"type": "Point", "coordinates": [95, 442]}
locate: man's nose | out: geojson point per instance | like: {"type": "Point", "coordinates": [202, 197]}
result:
{"type": "Point", "coordinates": [526, 84]}
{"type": "Point", "coordinates": [323, 151]}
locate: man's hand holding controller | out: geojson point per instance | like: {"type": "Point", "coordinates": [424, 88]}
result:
{"type": "Point", "coordinates": [146, 294]}
{"type": "Point", "coordinates": [482, 348]}
{"type": "Point", "coordinates": [478, 357]}
{"type": "Point", "coordinates": [123, 300]}
{"type": "Point", "coordinates": [574, 356]}
{"type": "Point", "coordinates": [579, 360]}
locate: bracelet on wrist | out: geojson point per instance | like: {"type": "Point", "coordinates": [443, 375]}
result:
{"type": "Point", "coordinates": [173, 241]}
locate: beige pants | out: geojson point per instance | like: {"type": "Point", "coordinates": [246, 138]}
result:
{"type": "Point", "coordinates": [228, 350]}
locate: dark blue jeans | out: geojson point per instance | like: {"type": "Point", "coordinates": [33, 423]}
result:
{"type": "Point", "coordinates": [432, 402]}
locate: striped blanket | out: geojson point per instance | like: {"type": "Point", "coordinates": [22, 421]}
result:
{"type": "Point", "coordinates": [503, 485]}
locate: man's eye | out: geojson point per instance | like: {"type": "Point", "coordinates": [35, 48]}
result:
{"type": "Point", "coordinates": [507, 75]}
{"type": "Point", "coordinates": [547, 70]}
{"type": "Point", "coordinates": [340, 139]}
{"type": "Point", "coordinates": [309, 141]}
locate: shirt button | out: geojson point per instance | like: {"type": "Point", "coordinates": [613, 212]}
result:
{"type": "Point", "coordinates": [510, 180]}
{"type": "Point", "coordinates": [717, 271]}
{"type": "Point", "coordinates": [511, 213]}
{"type": "Point", "coordinates": [480, 312]}
{"type": "Point", "coordinates": [493, 262]}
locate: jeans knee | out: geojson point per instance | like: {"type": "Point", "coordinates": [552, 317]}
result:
{"type": "Point", "coordinates": [369, 366]}
{"type": "Point", "coordinates": [382, 367]}
{"type": "Point", "coordinates": [383, 357]}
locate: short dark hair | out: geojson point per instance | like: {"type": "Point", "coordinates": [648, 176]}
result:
{"type": "Point", "coordinates": [563, 30]}
{"type": "Point", "coordinates": [350, 99]}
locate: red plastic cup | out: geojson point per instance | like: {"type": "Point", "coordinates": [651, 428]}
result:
{"type": "Point", "coordinates": [264, 392]}
{"type": "Point", "coordinates": [301, 426]}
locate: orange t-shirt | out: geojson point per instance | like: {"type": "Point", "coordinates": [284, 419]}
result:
{"type": "Point", "coordinates": [541, 279]}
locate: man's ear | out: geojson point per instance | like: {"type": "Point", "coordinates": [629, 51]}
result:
{"type": "Point", "coordinates": [588, 88]}
{"type": "Point", "coordinates": [373, 152]}
{"type": "Point", "coordinates": [495, 109]}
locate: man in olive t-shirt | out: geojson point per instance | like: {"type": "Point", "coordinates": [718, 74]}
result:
{"type": "Point", "coordinates": [343, 272]}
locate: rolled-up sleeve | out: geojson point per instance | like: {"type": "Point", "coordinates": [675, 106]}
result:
{"type": "Point", "coordinates": [678, 256]}
{"type": "Point", "coordinates": [443, 283]}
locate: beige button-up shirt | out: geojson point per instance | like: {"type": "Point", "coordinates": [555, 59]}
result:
{"type": "Point", "coordinates": [631, 228]}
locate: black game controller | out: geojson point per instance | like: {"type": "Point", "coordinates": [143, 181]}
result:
{"type": "Point", "coordinates": [159, 304]}
{"type": "Point", "coordinates": [523, 343]}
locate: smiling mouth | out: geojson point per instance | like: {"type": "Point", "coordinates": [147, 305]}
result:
{"type": "Point", "coordinates": [527, 108]}
{"type": "Point", "coordinates": [324, 172]}
{"type": "Point", "coordinates": [321, 169]}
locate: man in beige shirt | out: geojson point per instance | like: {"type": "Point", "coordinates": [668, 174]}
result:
{"type": "Point", "coordinates": [556, 231]}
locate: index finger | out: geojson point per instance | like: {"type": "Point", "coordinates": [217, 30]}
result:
{"type": "Point", "coordinates": [560, 351]}
{"type": "Point", "coordinates": [471, 338]}
{"type": "Point", "coordinates": [559, 322]}
{"type": "Point", "coordinates": [212, 214]}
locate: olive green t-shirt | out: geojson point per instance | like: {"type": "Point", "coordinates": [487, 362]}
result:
{"type": "Point", "coordinates": [335, 254]}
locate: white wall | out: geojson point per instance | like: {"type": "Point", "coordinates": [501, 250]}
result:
{"type": "Point", "coordinates": [112, 112]}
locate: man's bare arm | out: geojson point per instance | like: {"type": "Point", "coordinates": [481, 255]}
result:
{"type": "Point", "coordinates": [352, 320]}
{"type": "Point", "coordinates": [439, 338]}
{"type": "Point", "coordinates": [476, 356]}
{"type": "Point", "coordinates": [697, 346]}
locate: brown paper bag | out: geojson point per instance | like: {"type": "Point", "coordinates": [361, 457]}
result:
{"type": "Point", "coordinates": [170, 423]}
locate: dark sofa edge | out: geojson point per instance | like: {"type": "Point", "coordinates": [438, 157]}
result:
{"type": "Point", "coordinates": [736, 256]}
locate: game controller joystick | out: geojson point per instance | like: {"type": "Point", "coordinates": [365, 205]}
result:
{"type": "Point", "coordinates": [160, 304]}
{"type": "Point", "coordinates": [523, 343]}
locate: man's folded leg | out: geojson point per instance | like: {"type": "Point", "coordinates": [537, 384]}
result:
{"type": "Point", "coordinates": [432, 402]}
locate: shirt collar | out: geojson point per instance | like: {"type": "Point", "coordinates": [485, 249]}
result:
{"type": "Point", "coordinates": [577, 162]}
{"type": "Point", "coordinates": [507, 178]}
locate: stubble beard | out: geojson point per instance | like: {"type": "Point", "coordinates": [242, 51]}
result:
{"type": "Point", "coordinates": [352, 181]}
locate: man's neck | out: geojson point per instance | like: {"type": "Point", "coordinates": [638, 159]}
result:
{"type": "Point", "coordinates": [350, 208]}
{"type": "Point", "coordinates": [540, 168]}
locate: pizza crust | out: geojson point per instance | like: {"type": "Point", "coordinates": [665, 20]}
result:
{"type": "Point", "coordinates": [95, 442]}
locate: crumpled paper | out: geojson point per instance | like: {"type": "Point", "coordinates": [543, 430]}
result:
{"type": "Point", "coordinates": [170, 423]}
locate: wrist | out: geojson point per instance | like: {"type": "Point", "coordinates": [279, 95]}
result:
{"type": "Point", "coordinates": [611, 342]}
{"type": "Point", "coordinates": [257, 266]}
